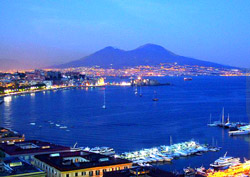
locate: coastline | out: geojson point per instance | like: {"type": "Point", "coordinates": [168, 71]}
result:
{"type": "Point", "coordinates": [42, 90]}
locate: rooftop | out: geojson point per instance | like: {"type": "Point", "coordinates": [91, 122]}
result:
{"type": "Point", "coordinates": [7, 133]}
{"type": "Point", "coordinates": [15, 166]}
{"type": "Point", "coordinates": [139, 171]}
{"type": "Point", "coordinates": [66, 161]}
{"type": "Point", "coordinates": [31, 147]}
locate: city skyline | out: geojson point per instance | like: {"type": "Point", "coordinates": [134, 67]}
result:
{"type": "Point", "coordinates": [44, 33]}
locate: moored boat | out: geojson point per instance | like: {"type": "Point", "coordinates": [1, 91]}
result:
{"type": "Point", "coordinates": [188, 78]}
{"type": "Point", "coordinates": [239, 132]}
{"type": "Point", "coordinates": [225, 161]}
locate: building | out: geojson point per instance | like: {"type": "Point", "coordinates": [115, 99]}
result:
{"type": "Point", "coordinates": [139, 172]}
{"type": "Point", "coordinates": [79, 163]}
{"type": "Point", "coordinates": [7, 135]}
{"type": "Point", "coordinates": [27, 149]}
{"type": "Point", "coordinates": [15, 167]}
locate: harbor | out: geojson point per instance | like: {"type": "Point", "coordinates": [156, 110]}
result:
{"type": "Point", "coordinates": [143, 160]}
{"type": "Point", "coordinates": [131, 123]}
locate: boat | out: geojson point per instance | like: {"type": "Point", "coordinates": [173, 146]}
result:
{"type": "Point", "coordinates": [214, 149]}
{"type": "Point", "coordinates": [223, 123]}
{"type": "Point", "coordinates": [136, 91]}
{"type": "Point", "coordinates": [188, 78]}
{"type": "Point", "coordinates": [32, 123]}
{"type": "Point", "coordinates": [239, 132]}
{"type": "Point", "coordinates": [242, 130]}
{"type": "Point", "coordinates": [107, 151]}
{"type": "Point", "coordinates": [101, 150]}
{"type": "Point", "coordinates": [140, 92]}
{"type": "Point", "coordinates": [225, 161]}
{"type": "Point", "coordinates": [228, 124]}
{"type": "Point", "coordinates": [214, 124]}
{"type": "Point", "coordinates": [155, 98]}
{"type": "Point", "coordinates": [63, 127]}
{"type": "Point", "coordinates": [201, 171]}
{"type": "Point", "coordinates": [104, 99]}
{"type": "Point", "coordinates": [165, 153]}
{"type": "Point", "coordinates": [58, 125]}
{"type": "Point", "coordinates": [189, 171]}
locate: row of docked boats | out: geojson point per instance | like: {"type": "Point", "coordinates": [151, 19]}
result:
{"type": "Point", "coordinates": [167, 153]}
{"type": "Point", "coordinates": [98, 150]}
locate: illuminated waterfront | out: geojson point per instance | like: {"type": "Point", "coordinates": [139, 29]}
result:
{"type": "Point", "coordinates": [131, 122]}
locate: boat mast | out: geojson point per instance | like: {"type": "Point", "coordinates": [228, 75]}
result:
{"type": "Point", "coordinates": [223, 117]}
{"type": "Point", "coordinates": [225, 154]}
{"type": "Point", "coordinates": [171, 141]}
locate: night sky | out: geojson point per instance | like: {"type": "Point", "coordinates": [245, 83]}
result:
{"type": "Point", "coordinates": [41, 32]}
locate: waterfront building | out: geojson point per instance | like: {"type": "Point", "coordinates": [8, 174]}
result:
{"type": "Point", "coordinates": [27, 149]}
{"type": "Point", "coordinates": [79, 163]}
{"type": "Point", "coordinates": [15, 167]}
{"type": "Point", "coordinates": [7, 136]}
{"type": "Point", "coordinates": [139, 171]}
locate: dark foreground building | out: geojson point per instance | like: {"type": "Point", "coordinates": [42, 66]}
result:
{"type": "Point", "coordinates": [7, 136]}
{"type": "Point", "coordinates": [79, 163]}
{"type": "Point", "coordinates": [15, 167]}
{"type": "Point", "coordinates": [139, 172]}
{"type": "Point", "coordinates": [27, 149]}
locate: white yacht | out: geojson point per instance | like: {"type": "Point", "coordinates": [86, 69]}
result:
{"type": "Point", "coordinates": [243, 130]}
{"type": "Point", "coordinates": [225, 161]}
{"type": "Point", "coordinates": [103, 150]}
{"type": "Point", "coordinates": [239, 132]}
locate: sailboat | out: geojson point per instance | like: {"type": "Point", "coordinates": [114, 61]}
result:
{"type": "Point", "coordinates": [155, 98]}
{"type": "Point", "coordinates": [214, 124]}
{"type": "Point", "coordinates": [222, 124]}
{"type": "Point", "coordinates": [140, 92]}
{"type": "Point", "coordinates": [227, 124]}
{"type": "Point", "coordinates": [104, 99]}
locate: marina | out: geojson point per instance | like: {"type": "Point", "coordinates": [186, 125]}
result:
{"type": "Point", "coordinates": [235, 128]}
{"type": "Point", "coordinates": [167, 153]}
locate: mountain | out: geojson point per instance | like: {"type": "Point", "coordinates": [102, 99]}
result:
{"type": "Point", "coordinates": [149, 54]}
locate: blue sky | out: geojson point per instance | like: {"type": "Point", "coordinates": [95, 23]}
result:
{"type": "Point", "coordinates": [49, 32]}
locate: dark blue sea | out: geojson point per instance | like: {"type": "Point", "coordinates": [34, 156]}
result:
{"type": "Point", "coordinates": [131, 122]}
